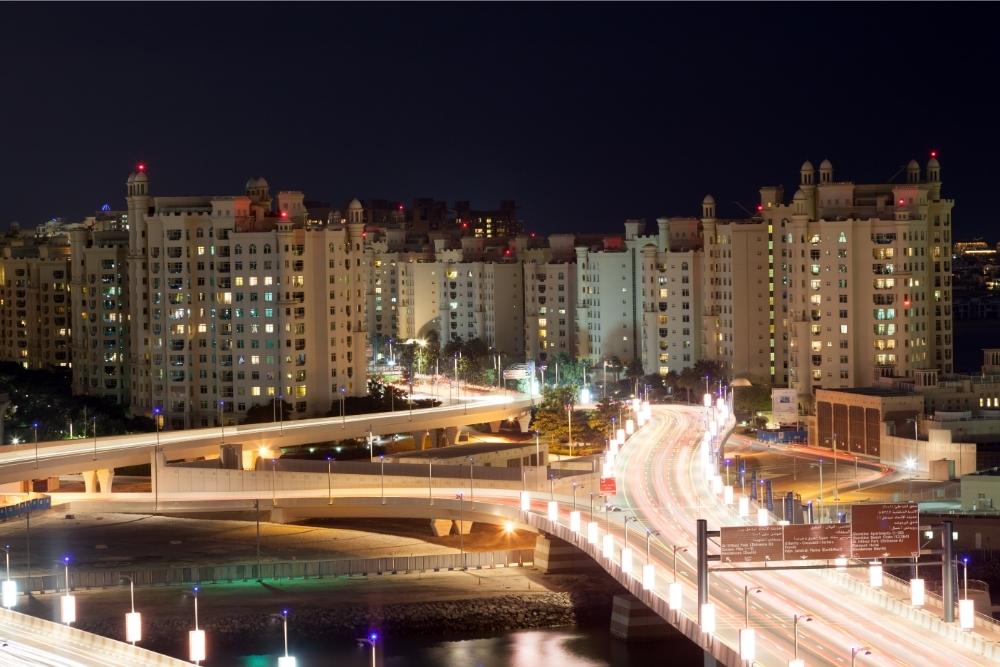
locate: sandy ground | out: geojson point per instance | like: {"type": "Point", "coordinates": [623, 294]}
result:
{"type": "Point", "coordinates": [117, 540]}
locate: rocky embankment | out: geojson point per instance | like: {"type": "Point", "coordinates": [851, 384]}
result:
{"type": "Point", "coordinates": [438, 619]}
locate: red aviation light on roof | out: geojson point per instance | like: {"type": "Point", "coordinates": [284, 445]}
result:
{"type": "Point", "coordinates": [284, 214]}
{"type": "Point", "coordinates": [901, 202]}
{"type": "Point", "coordinates": [140, 167]}
{"type": "Point", "coordinates": [760, 207]}
{"type": "Point", "coordinates": [933, 153]}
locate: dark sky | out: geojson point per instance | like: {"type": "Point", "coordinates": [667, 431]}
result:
{"type": "Point", "coordinates": [584, 113]}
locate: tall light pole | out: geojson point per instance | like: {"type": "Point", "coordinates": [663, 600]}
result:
{"type": "Point", "coordinates": [748, 643]}
{"type": "Point", "coordinates": [343, 414]}
{"type": "Point", "coordinates": [574, 494]}
{"type": "Point", "coordinates": [34, 427]}
{"type": "Point", "coordinates": [676, 549]}
{"type": "Point", "coordinates": [155, 470]}
{"type": "Point", "coordinates": [68, 602]}
{"type": "Point", "coordinates": [836, 476]}
{"type": "Point", "coordinates": [461, 525]}
{"type": "Point", "coordinates": [196, 637]}
{"type": "Point", "coordinates": [133, 619]}
{"type": "Point", "coordinates": [381, 464]}
{"type": "Point", "coordinates": [9, 585]}
{"type": "Point", "coordinates": [569, 422]}
{"type": "Point", "coordinates": [95, 435]}
{"type": "Point", "coordinates": [472, 489]}
{"type": "Point", "coordinates": [286, 660]}
{"type": "Point", "coordinates": [329, 480]}
{"type": "Point", "coordinates": [795, 637]}
{"type": "Point", "coordinates": [649, 533]}
{"type": "Point", "coordinates": [222, 421]}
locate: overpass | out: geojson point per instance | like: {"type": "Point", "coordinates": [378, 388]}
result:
{"type": "Point", "coordinates": [98, 457]}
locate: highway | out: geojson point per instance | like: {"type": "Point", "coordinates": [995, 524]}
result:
{"type": "Point", "coordinates": [665, 487]}
{"type": "Point", "coordinates": [26, 461]}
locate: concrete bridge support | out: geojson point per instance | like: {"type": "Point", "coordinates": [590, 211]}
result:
{"type": "Point", "coordinates": [633, 621]}
{"type": "Point", "coordinates": [464, 527]}
{"type": "Point", "coordinates": [441, 527]}
{"type": "Point", "coordinates": [451, 435]}
{"type": "Point", "coordinates": [524, 421]}
{"type": "Point", "coordinates": [553, 555]}
{"type": "Point", "coordinates": [90, 481]}
{"type": "Point", "coordinates": [495, 426]}
{"type": "Point", "coordinates": [105, 477]}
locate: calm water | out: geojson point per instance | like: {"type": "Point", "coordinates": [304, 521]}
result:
{"type": "Point", "coordinates": [528, 648]}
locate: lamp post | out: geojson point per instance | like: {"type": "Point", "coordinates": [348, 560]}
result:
{"type": "Point", "coordinates": [472, 481]}
{"type": "Point", "coordinates": [569, 422]}
{"type": "Point", "coordinates": [155, 470]}
{"type": "Point", "coordinates": [95, 435]}
{"type": "Point", "coordinates": [274, 481]}
{"type": "Point", "coordinates": [748, 639]}
{"type": "Point", "coordinates": [133, 619]}
{"type": "Point", "coordinates": [196, 637]}
{"type": "Point", "coordinates": [329, 480]}
{"type": "Point", "coordinates": [343, 413]}
{"type": "Point", "coordinates": [855, 652]}
{"type": "Point", "coordinates": [795, 638]}
{"type": "Point", "coordinates": [461, 524]}
{"type": "Point", "coordinates": [222, 422]}
{"type": "Point", "coordinates": [34, 427]}
{"type": "Point", "coordinates": [574, 495]}
{"type": "Point", "coordinates": [649, 533]}
{"type": "Point", "coordinates": [9, 585]}
{"type": "Point", "coordinates": [381, 466]}
{"type": "Point", "coordinates": [911, 465]}
{"type": "Point", "coordinates": [67, 602]}
{"type": "Point", "coordinates": [370, 438]}
{"type": "Point", "coordinates": [286, 660]}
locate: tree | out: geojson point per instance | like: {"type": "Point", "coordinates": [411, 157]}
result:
{"type": "Point", "coordinates": [260, 413]}
{"type": "Point", "coordinates": [550, 417]}
{"type": "Point", "coordinates": [599, 419]}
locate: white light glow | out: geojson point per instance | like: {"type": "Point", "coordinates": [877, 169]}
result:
{"type": "Point", "coordinates": [9, 593]}
{"type": "Point", "coordinates": [744, 506]}
{"type": "Point", "coordinates": [748, 644]}
{"type": "Point", "coordinates": [525, 501]}
{"type": "Point", "coordinates": [287, 661]}
{"type": "Point", "coordinates": [629, 427]}
{"type": "Point", "coordinates": [875, 575]}
{"type": "Point", "coordinates": [67, 609]}
{"type": "Point", "coordinates": [574, 521]}
{"type": "Point", "coordinates": [648, 577]}
{"type": "Point", "coordinates": [553, 510]}
{"type": "Point", "coordinates": [675, 595]}
{"type": "Point", "coordinates": [797, 662]}
{"type": "Point", "coordinates": [627, 561]}
{"type": "Point", "coordinates": [133, 627]}
{"type": "Point", "coordinates": [708, 618]}
{"type": "Point", "coordinates": [717, 485]}
{"type": "Point", "coordinates": [706, 400]}
{"type": "Point", "coordinates": [585, 396]}
{"type": "Point", "coordinates": [620, 435]}
{"type": "Point", "coordinates": [727, 495]}
{"type": "Point", "coordinates": [592, 532]}
{"type": "Point", "coordinates": [917, 592]}
{"type": "Point", "coordinates": [841, 563]}
{"type": "Point", "coordinates": [609, 547]}
{"type": "Point", "coordinates": [762, 516]}
{"type": "Point", "coordinates": [196, 645]}
{"type": "Point", "coordinates": [966, 614]}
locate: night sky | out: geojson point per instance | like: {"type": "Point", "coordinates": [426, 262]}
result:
{"type": "Point", "coordinates": [585, 114]}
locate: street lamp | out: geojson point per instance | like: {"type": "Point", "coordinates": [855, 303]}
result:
{"type": "Point", "coordinates": [133, 619]}
{"type": "Point", "coordinates": [343, 414]}
{"type": "Point", "coordinates": [461, 523]}
{"type": "Point", "coordinates": [34, 427]}
{"type": "Point", "coordinates": [795, 661]}
{"type": "Point", "coordinates": [748, 638]}
{"type": "Point", "coordinates": [472, 481]}
{"type": "Point", "coordinates": [9, 585]}
{"type": "Point", "coordinates": [855, 652]}
{"type": "Point", "coordinates": [569, 423]}
{"type": "Point", "coordinates": [67, 604]}
{"type": "Point", "coordinates": [329, 480]}
{"type": "Point", "coordinates": [966, 607]}
{"type": "Point", "coordinates": [286, 660]}
{"type": "Point", "coordinates": [911, 465]}
{"type": "Point", "coordinates": [222, 421]}
{"type": "Point", "coordinates": [381, 465]}
{"type": "Point", "coordinates": [196, 637]}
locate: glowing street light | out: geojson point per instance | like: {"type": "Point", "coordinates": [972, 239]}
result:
{"type": "Point", "coordinates": [675, 592]}
{"type": "Point", "coordinates": [34, 427]}
{"type": "Point", "coordinates": [875, 574]}
{"type": "Point", "coordinates": [708, 618]}
{"type": "Point", "coordinates": [796, 661]}
{"type": "Point", "coordinates": [9, 585]}
{"type": "Point", "coordinates": [67, 603]}
{"type": "Point", "coordinates": [966, 607]}
{"type": "Point", "coordinates": [285, 660]}
{"type": "Point", "coordinates": [748, 636]}
{"type": "Point", "coordinates": [855, 652]}
{"type": "Point", "coordinates": [196, 637]}
{"type": "Point", "coordinates": [133, 619]}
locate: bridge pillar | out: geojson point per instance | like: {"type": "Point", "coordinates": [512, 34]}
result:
{"type": "Point", "coordinates": [249, 458]}
{"type": "Point", "coordinates": [441, 527]}
{"type": "Point", "coordinates": [632, 621]}
{"type": "Point", "coordinates": [90, 481]}
{"type": "Point", "coordinates": [464, 527]}
{"type": "Point", "coordinates": [495, 426]}
{"type": "Point", "coordinates": [553, 555]}
{"type": "Point", "coordinates": [421, 439]}
{"type": "Point", "coordinates": [524, 421]}
{"type": "Point", "coordinates": [451, 435]}
{"type": "Point", "coordinates": [105, 476]}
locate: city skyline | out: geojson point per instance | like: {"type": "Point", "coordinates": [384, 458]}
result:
{"type": "Point", "coordinates": [421, 104]}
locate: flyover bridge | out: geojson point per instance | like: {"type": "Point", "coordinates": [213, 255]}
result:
{"type": "Point", "coordinates": [98, 457]}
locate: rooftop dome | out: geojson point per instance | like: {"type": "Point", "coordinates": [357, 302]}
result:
{"type": "Point", "coordinates": [355, 205]}
{"type": "Point", "coordinates": [709, 199]}
{"type": "Point", "coordinates": [799, 196]}
{"type": "Point", "coordinates": [933, 163]}
{"type": "Point", "coordinates": [807, 166]}
{"type": "Point", "coordinates": [912, 164]}
{"type": "Point", "coordinates": [256, 182]}
{"type": "Point", "coordinates": [139, 177]}
{"type": "Point", "coordinates": [825, 164]}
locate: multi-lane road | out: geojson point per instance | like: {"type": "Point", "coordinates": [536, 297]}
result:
{"type": "Point", "coordinates": [665, 487]}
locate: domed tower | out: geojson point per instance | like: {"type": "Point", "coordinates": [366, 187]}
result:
{"type": "Point", "coordinates": [825, 172]}
{"type": "Point", "coordinates": [259, 192]}
{"type": "Point", "coordinates": [912, 172]}
{"type": "Point", "coordinates": [800, 203]}
{"type": "Point", "coordinates": [934, 176]}
{"type": "Point", "coordinates": [807, 174]}
{"type": "Point", "coordinates": [355, 212]}
{"type": "Point", "coordinates": [138, 201]}
{"type": "Point", "coordinates": [708, 207]}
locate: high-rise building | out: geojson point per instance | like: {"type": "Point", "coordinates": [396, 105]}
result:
{"type": "Point", "coordinates": [863, 278]}
{"type": "Point", "coordinates": [100, 306]}
{"type": "Point", "coordinates": [237, 301]}
{"type": "Point", "coordinates": [35, 323]}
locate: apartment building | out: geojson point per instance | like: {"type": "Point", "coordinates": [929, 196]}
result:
{"type": "Point", "coordinates": [864, 277]}
{"type": "Point", "coordinates": [550, 291]}
{"type": "Point", "coordinates": [100, 306]}
{"type": "Point", "coordinates": [229, 296]}
{"type": "Point", "coordinates": [35, 321]}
